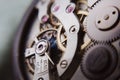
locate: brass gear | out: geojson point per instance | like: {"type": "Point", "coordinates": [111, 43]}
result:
{"type": "Point", "coordinates": [47, 31]}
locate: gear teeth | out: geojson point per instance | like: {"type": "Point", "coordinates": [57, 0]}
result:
{"type": "Point", "coordinates": [103, 42]}
{"type": "Point", "coordinates": [96, 43]}
{"type": "Point", "coordinates": [91, 7]}
{"type": "Point", "coordinates": [83, 62]}
{"type": "Point", "coordinates": [94, 34]}
{"type": "Point", "coordinates": [95, 3]}
{"type": "Point", "coordinates": [91, 45]}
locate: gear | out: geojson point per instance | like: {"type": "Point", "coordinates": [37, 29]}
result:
{"type": "Point", "coordinates": [61, 34]}
{"type": "Point", "coordinates": [49, 35]}
{"type": "Point", "coordinates": [103, 21]}
{"type": "Point", "coordinates": [95, 2]}
{"type": "Point", "coordinates": [53, 32]}
{"type": "Point", "coordinates": [99, 61]}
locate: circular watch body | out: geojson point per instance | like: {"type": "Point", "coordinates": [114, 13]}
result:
{"type": "Point", "coordinates": [68, 40]}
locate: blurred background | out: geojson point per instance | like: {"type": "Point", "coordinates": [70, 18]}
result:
{"type": "Point", "coordinates": [11, 13]}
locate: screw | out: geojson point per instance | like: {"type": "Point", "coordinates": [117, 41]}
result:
{"type": "Point", "coordinates": [45, 18]}
{"type": "Point", "coordinates": [64, 64]}
{"type": "Point", "coordinates": [72, 29]}
{"type": "Point", "coordinates": [70, 8]}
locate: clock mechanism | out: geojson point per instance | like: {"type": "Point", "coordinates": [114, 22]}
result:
{"type": "Point", "coordinates": [69, 40]}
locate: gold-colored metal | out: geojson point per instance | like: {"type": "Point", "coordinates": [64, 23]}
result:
{"type": "Point", "coordinates": [61, 47]}
{"type": "Point", "coordinates": [30, 68]}
{"type": "Point", "coordinates": [86, 44]}
{"type": "Point", "coordinates": [82, 12]}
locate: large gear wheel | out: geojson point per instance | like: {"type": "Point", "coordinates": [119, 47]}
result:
{"type": "Point", "coordinates": [103, 21]}
{"type": "Point", "coordinates": [99, 61]}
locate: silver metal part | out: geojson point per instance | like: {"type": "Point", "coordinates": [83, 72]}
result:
{"type": "Point", "coordinates": [103, 21]}
{"type": "Point", "coordinates": [41, 59]}
{"type": "Point", "coordinates": [68, 20]}
{"type": "Point", "coordinates": [43, 16]}
{"type": "Point", "coordinates": [41, 68]}
{"type": "Point", "coordinates": [29, 52]}
{"type": "Point", "coordinates": [41, 47]}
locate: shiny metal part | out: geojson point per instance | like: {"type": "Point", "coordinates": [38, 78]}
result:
{"type": "Point", "coordinates": [105, 26]}
{"type": "Point", "coordinates": [43, 10]}
{"type": "Point", "coordinates": [41, 59]}
{"type": "Point", "coordinates": [67, 21]}
{"type": "Point", "coordinates": [41, 47]}
{"type": "Point", "coordinates": [41, 68]}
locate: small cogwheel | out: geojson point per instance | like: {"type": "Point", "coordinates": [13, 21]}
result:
{"type": "Point", "coordinates": [103, 21]}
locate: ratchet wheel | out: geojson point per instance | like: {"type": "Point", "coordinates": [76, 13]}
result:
{"type": "Point", "coordinates": [68, 40]}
